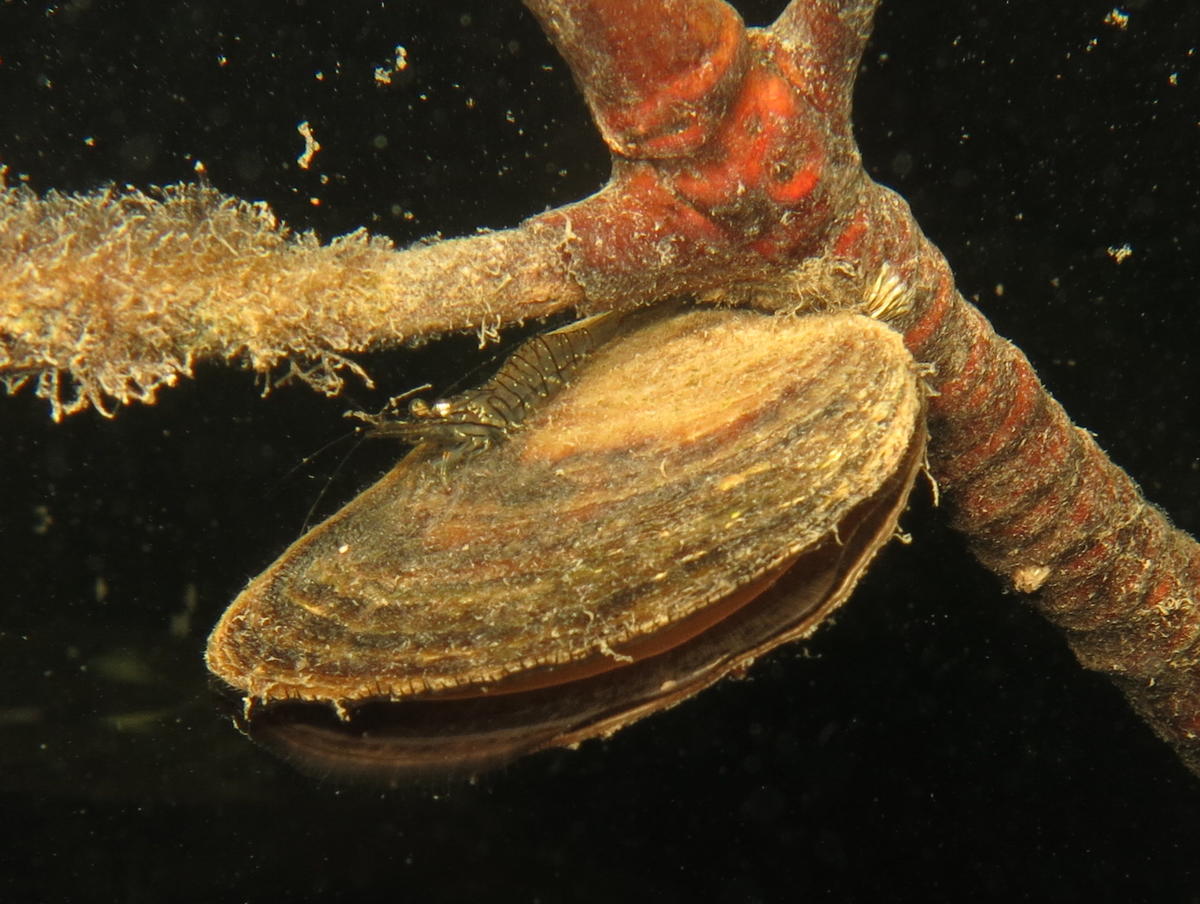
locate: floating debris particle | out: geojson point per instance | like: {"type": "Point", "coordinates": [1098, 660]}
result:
{"type": "Point", "coordinates": [384, 74]}
{"type": "Point", "coordinates": [1119, 254]}
{"type": "Point", "coordinates": [311, 145]}
{"type": "Point", "coordinates": [1118, 17]}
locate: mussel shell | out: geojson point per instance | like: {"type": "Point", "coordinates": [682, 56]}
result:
{"type": "Point", "coordinates": [710, 485]}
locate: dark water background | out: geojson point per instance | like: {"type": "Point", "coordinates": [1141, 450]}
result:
{"type": "Point", "coordinates": [937, 741]}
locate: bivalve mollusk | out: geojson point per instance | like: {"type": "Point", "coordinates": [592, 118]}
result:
{"type": "Point", "coordinates": [708, 484]}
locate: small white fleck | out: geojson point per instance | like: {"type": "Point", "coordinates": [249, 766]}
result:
{"type": "Point", "coordinates": [1030, 578]}
{"type": "Point", "coordinates": [343, 549]}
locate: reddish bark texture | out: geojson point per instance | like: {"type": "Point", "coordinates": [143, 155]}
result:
{"type": "Point", "coordinates": [736, 166]}
{"type": "Point", "coordinates": [734, 160]}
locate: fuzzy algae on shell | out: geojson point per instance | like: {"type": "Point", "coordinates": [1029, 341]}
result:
{"type": "Point", "coordinates": [710, 484]}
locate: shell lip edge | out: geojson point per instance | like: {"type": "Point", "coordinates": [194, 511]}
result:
{"type": "Point", "coordinates": [381, 740]}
